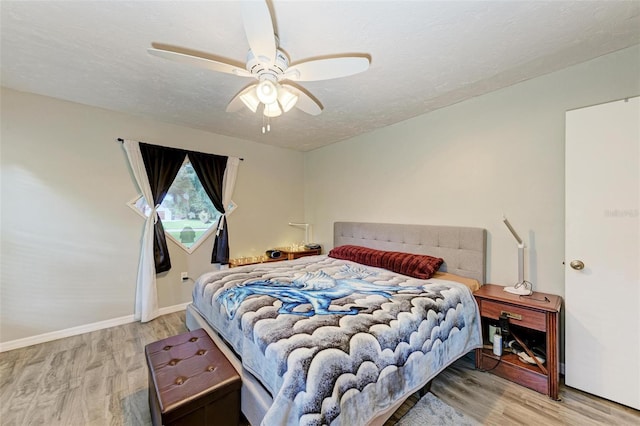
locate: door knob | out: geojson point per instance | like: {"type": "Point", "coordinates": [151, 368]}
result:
{"type": "Point", "coordinates": [577, 265]}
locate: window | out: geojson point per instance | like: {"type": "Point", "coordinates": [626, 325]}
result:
{"type": "Point", "coordinates": [187, 214]}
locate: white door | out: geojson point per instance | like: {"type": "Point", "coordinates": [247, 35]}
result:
{"type": "Point", "coordinates": [602, 300]}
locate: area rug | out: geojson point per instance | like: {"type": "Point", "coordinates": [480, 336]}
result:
{"type": "Point", "coordinates": [432, 411]}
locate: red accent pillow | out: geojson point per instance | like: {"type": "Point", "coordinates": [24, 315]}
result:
{"type": "Point", "coordinates": [414, 265]}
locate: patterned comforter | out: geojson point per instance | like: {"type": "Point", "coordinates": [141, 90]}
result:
{"type": "Point", "coordinates": [336, 342]}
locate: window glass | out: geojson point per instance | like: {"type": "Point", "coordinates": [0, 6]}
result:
{"type": "Point", "coordinates": [187, 213]}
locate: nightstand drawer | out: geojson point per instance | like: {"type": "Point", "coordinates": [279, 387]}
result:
{"type": "Point", "coordinates": [517, 315]}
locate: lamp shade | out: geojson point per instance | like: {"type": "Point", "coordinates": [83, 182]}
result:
{"type": "Point", "coordinates": [267, 92]}
{"type": "Point", "coordinates": [250, 99]}
{"type": "Point", "coordinates": [272, 110]}
{"type": "Point", "coordinates": [286, 98]}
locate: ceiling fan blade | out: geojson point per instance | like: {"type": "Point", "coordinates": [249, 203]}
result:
{"type": "Point", "coordinates": [199, 59]}
{"type": "Point", "coordinates": [258, 26]}
{"type": "Point", "coordinates": [306, 102]}
{"type": "Point", "coordinates": [325, 69]}
{"type": "Point", "coordinates": [236, 103]}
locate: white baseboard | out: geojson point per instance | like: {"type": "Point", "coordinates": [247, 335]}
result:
{"type": "Point", "coordinates": [171, 309]}
{"type": "Point", "coordinates": [81, 329]}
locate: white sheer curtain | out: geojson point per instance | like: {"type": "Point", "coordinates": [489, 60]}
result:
{"type": "Point", "coordinates": [146, 302]}
{"type": "Point", "coordinates": [228, 184]}
{"type": "Point", "coordinates": [229, 181]}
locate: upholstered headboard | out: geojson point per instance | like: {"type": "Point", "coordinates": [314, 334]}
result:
{"type": "Point", "coordinates": [462, 248]}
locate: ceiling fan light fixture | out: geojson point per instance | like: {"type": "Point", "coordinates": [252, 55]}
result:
{"type": "Point", "coordinates": [272, 110]}
{"type": "Point", "coordinates": [286, 98]}
{"type": "Point", "coordinates": [269, 65]}
{"type": "Point", "coordinates": [250, 99]}
{"type": "Point", "coordinates": [267, 92]}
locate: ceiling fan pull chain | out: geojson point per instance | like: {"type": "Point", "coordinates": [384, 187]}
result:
{"type": "Point", "coordinates": [266, 124]}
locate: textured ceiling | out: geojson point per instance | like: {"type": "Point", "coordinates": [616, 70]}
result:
{"type": "Point", "coordinates": [424, 55]}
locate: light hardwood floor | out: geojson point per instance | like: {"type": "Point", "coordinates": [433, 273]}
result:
{"type": "Point", "coordinates": [100, 378]}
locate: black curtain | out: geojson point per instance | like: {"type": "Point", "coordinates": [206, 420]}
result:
{"type": "Point", "coordinates": [162, 165]}
{"type": "Point", "coordinates": [210, 170]}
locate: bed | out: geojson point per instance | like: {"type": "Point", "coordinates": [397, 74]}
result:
{"type": "Point", "coordinates": [328, 340]}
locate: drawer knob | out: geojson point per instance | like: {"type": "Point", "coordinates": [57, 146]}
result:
{"type": "Point", "coordinates": [578, 265]}
{"type": "Point", "coordinates": [511, 315]}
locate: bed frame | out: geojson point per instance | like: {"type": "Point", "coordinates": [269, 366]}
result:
{"type": "Point", "coordinates": [462, 248]}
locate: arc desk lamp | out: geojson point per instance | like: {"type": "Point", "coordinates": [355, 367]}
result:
{"type": "Point", "coordinates": [522, 287]}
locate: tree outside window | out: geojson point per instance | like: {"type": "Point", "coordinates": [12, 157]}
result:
{"type": "Point", "coordinates": [187, 213]}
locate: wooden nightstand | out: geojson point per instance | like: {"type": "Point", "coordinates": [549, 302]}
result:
{"type": "Point", "coordinates": [286, 255]}
{"type": "Point", "coordinates": [534, 316]}
{"type": "Point", "coordinates": [296, 254]}
{"type": "Point", "coordinates": [242, 261]}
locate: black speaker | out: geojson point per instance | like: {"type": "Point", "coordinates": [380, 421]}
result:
{"type": "Point", "coordinates": [274, 254]}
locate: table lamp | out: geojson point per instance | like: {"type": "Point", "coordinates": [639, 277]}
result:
{"type": "Point", "coordinates": [522, 287]}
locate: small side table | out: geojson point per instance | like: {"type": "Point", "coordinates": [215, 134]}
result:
{"type": "Point", "coordinates": [537, 313]}
{"type": "Point", "coordinates": [296, 254]}
{"type": "Point", "coordinates": [287, 254]}
{"type": "Point", "coordinates": [234, 263]}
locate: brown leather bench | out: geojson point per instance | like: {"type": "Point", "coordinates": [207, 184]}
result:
{"type": "Point", "coordinates": [191, 382]}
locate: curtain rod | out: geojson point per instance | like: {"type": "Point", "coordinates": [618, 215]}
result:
{"type": "Point", "coordinates": [122, 140]}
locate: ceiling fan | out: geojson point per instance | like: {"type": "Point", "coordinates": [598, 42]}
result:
{"type": "Point", "coordinates": [275, 90]}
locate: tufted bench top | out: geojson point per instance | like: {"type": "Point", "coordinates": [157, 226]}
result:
{"type": "Point", "coordinates": [187, 367]}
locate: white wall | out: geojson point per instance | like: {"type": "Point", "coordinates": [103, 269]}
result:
{"type": "Point", "coordinates": [70, 245]}
{"type": "Point", "coordinates": [469, 163]}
